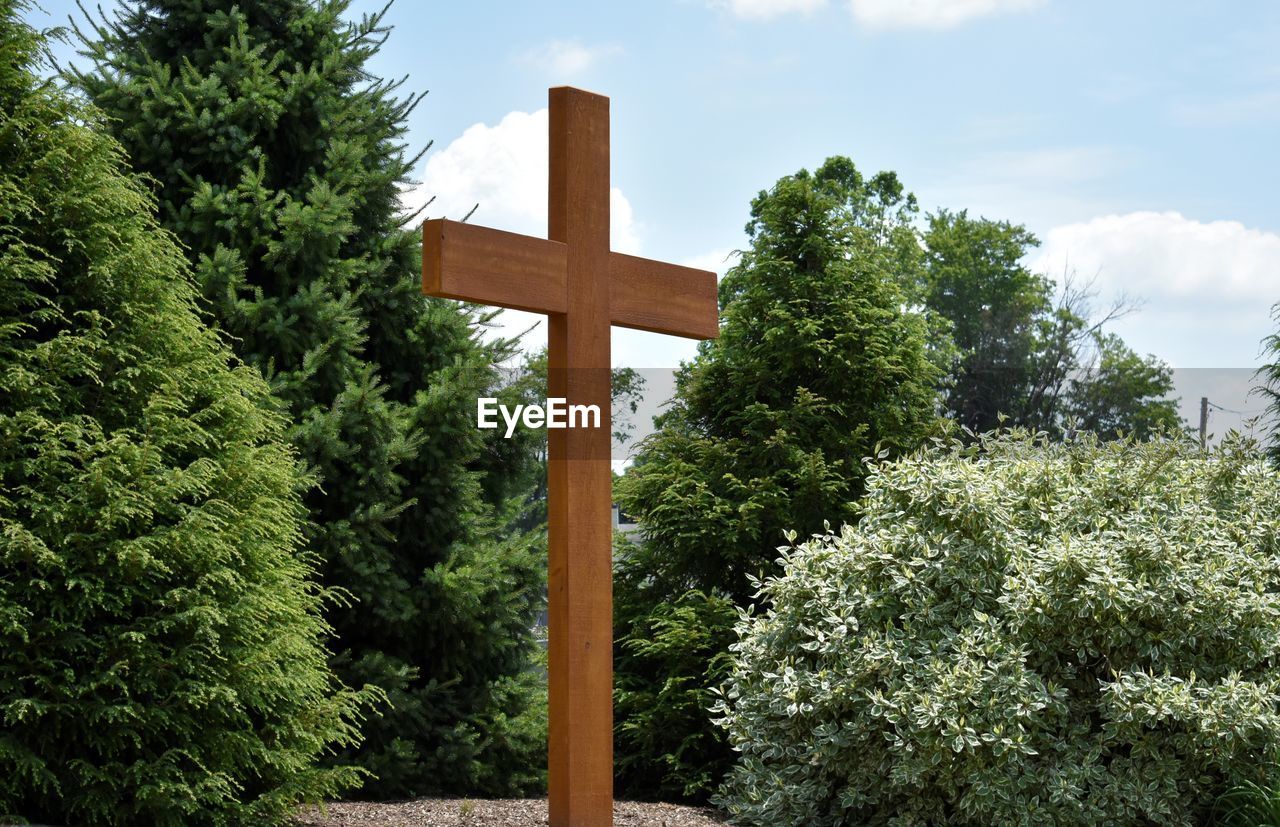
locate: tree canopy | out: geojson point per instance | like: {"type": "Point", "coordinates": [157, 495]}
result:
{"type": "Point", "coordinates": [162, 650]}
{"type": "Point", "coordinates": [819, 365]}
{"type": "Point", "coordinates": [1030, 352]}
{"type": "Point", "coordinates": [278, 161]}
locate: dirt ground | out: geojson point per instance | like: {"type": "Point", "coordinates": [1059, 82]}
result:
{"type": "Point", "coordinates": [462, 812]}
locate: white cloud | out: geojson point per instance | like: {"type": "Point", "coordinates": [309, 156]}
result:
{"type": "Point", "coordinates": [623, 232]}
{"type": "Point", "coordinates": [768, 9]}
{"type": "Point", "coordinates": [1207, 287]}
{"type": "Point", "coordinates": [1040, 168]}
{"type": "Point", "coordinates": [1250, 108]}
{"type": "Point", "coordinates": [932, 14]}
{"type": "Point", "coordinates": [567, 58]}
{"type": "Point", "coordinates": [1168, 256]}
{"type": "Point", "coordinates": [885, 14]}
{"type": "Point", "coordinates": [1044, 187]}
{"type": "Point", "coordinates": [503, 168]}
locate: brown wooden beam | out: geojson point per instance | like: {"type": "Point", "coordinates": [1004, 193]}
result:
{"type": "Point", "coordinates": [583, 288]}
{"type": "Point", "coordinates": [478, 264]}
{"type": "Point", "coordinates": [662, 298]}
{"type": "Point", "coordinates": [579, 477]}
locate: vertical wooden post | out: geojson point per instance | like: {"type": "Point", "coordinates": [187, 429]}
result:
{"type": "Point", "coordinates": [579, 497]}
{"type": "Point", "coordinates": [584, 289]}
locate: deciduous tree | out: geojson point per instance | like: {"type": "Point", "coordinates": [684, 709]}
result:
{"type": "Point", "coordinates": [1030, 351]}
{"type": "Point", "coordinates": [1120, 392]}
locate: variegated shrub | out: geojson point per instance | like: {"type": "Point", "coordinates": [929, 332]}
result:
{"type": "Point", "coordinates": [1019, 632]}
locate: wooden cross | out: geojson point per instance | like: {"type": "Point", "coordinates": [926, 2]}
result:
{"type": "Point", "coordinates": [583, 288]}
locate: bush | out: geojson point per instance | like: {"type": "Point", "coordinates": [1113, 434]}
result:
{"type": "Point", "coordinates": [161, 647]}
{"type": "Point", "coordinates": [1250, 804]}
{"type": "Point", "coordinates": [666, 660]}
{"type": "Point", "coordinates": [1018, 632]}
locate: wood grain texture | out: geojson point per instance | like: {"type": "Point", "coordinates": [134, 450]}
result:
{"type": "Point", "coordinates": [579, 490]}
{"type": "Point", "coordinates": [583, 288]}
{"type": "Point", "coordinates": [477, 264]}
{"type": "Point", "coordinates": [662, 298]}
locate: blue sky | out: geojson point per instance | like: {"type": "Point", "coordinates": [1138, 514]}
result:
{"type": "Point", "coordinates": [1137, 140]}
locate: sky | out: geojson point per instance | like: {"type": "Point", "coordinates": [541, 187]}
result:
{"type": "Point", "coordinates": [1137, 140]}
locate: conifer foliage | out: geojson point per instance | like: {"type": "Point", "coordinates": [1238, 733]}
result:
{"type": "Point", "coordinates": [1269, 373]}
{"type": "Point", "coordinates": [278, 161]}
{"type": "Point", "coordinates": [162, 653]}
{"type": "Point", "coordinates": [819, 365]}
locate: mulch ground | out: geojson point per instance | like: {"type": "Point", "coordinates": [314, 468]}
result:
{"type": "Point", "coordinates": [462, 812]}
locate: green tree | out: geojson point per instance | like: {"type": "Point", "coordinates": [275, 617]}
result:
{"type": "Point", "coordinates": [162, 650]}
{"type": "Point", "coordinates": [1121, 392]}
{"type": "Point", "coordinates": [278, 161]}
{"type": "Point", "coordinates": [1029, 351]}
{"type": "Point", "coordinates": [819, 366]}
{"type": "Point", "coordinates": [1270, 387]}
{"type": "Point", "coordinates": [973, 276]}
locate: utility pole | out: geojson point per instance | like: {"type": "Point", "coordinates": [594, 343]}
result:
{"type": "Point", "coordinates": [1204, 421]}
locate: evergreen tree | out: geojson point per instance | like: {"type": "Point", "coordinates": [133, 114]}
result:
{"type": "Point", "coordinates": [1270, 387]}
{"type": "Point", "coordinates": [162, 655]}
{"type": "Point", "coordinates": [819, 366]}
{"type": "Point", "coordinates": [278, 162]}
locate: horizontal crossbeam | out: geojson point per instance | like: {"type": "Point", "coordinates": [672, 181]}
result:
{"type": "Point", "coordinates": [663, 298]}
{"type": "Point", "coordinates": [478, 264]}
{"type": "Point", "coordinates": [485, 266]}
